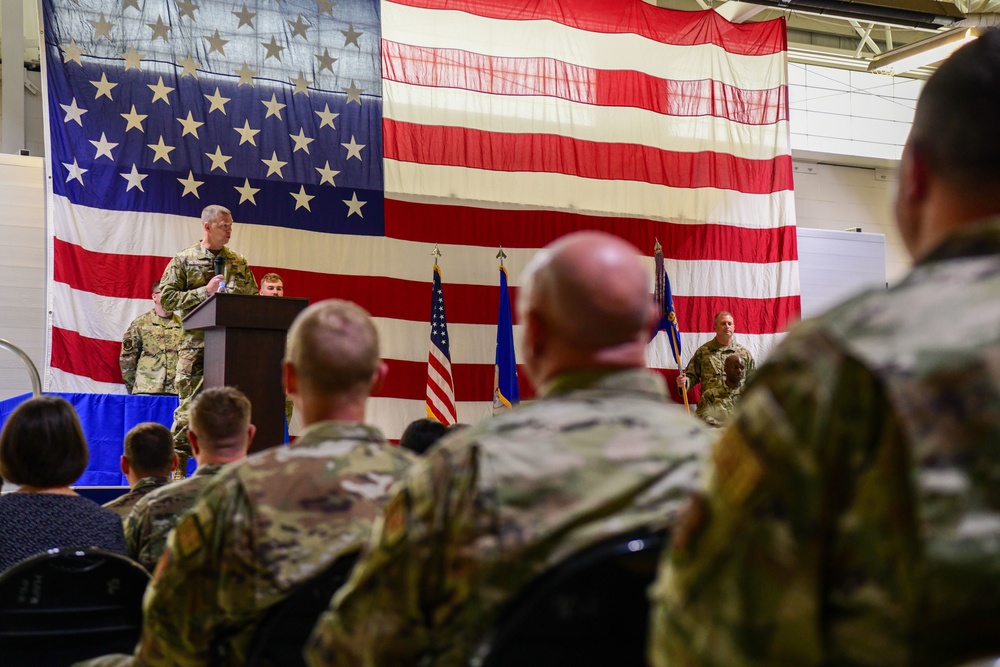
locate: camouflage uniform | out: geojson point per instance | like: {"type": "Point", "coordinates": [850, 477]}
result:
{"type": "Point", "coordinates": [182, 289]}
{"type": "Point", "coordinates": [717, 404]}
{"type": "Point", "coordinates": [262, 527]}
{"type": "Point", "coordinates": [707, 366]}
{"type": "Point", "coordinates": [149, 353]}
{"type": "Point", "coordinates": [153, 517]}
{"type": "Point", "coordinates": [124, 504]}
{"type": "Point", "coordinates": [496, 504]}
{"type": "Point", "coordinates": [852, 512]}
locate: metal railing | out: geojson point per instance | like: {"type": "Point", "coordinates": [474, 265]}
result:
{"type": "Point", "coordinates": [36, 380]}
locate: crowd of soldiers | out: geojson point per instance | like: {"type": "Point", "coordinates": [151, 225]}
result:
{"type": "Point", "coordinates": [845, 513]}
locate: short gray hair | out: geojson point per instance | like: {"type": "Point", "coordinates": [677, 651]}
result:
{"type": "Point", "coordinates": [213, 211]}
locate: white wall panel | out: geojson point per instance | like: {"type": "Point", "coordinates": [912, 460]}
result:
{"type": "Point", "coordinates": [22, 269]}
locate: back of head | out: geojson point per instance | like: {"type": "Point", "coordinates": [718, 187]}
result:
{"type": "Point", "coordinates": [42, 444]}
{"type": "Point", "coordinates": [592, 295]}
{"type": "Point", "coordinates": [957, 115]}
{"type": "Point", "coordinates": [333, 347]}
{"type": "Point", "coordinates": [421, 434]}
{"type": "Point", "coordinates": [220, 418]}
{"type": "Point", "coordinates": [149, 449]}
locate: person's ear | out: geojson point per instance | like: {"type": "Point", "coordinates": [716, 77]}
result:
{"type": "Point", "coordinates": [288, 379]}
{"type": "Point", "coordinates": [124, 465]}
{"type": "Point", "coordinates": [535, 334]}
{"type": "Point", "coordinates": [912, 191]}
{"type": "Point", "coordinates": [378, 377]}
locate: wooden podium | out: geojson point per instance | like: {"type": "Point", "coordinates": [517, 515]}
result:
{"type": "Point", "coordinates": [244, 346]}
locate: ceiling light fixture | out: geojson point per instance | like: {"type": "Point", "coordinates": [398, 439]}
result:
{"type": "Point", "coordinates": [923, 52]}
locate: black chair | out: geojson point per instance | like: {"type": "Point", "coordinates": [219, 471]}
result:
{"type": "Point", "coordinates": [67, 605]}
{"type": "Point", "coordinates": [591, 609]}
{"type": "Point", "coordinates": [285, 629]}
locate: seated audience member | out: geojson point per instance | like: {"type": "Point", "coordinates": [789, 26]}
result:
{"type": "Point", "coordinates": [148, 460]}
{"type": "Point", "coordinates": [600, 453]}
{"type": "Point", "coordinates": [851, 512]}
{"type": "Point", "coordinates": [220, 432]}
{"type": "Point", "coordinates": [42, 448]}
{"type": "Point", "coordinates": [718, 402]}
{"type": "Point", "coordinates": [420, 434]}
{"type": "Point", "coordinates": [272, 285]}
{"type": "Point", "coordinates": [277, 519]}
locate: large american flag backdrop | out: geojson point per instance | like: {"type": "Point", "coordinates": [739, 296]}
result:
{"type": "Point", "coordinates": [349, 137]}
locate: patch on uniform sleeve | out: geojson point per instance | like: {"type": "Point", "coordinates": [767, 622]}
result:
{"type": "Point", "coordinates": [127, 345]}
{"type": "Point", "coordinates": [397, 514]}
{"type": "Point", "coordinates": [190, 537]}
{"type": "Point", "coordinates": [692, 517]}
{"type": "Point", "coordinates": [738, 470]}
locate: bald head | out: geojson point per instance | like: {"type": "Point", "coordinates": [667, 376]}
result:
{"type": "Point", "coordinates": [333, 347]}
{"type": "Point", "coordinates": [587, 303]}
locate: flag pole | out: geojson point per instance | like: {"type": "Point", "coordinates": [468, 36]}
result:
{"type": "Point", "coordinates": [665, 299]}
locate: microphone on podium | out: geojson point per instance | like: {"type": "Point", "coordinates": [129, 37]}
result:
{"type": "Point", "coordinates": [220, 264]}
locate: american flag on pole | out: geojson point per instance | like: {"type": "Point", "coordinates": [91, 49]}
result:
{"type": "Point", "coordinates": [348, 138]}
{"type": "Point", "coordinates": [440, 384]}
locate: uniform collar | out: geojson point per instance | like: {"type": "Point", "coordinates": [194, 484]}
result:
{"type": "Point", "coordinates": [610, 379]}
{"type": "Point", "coordinates": [338, 430]}
{"type": "Point", "coordinates": [975, 240]}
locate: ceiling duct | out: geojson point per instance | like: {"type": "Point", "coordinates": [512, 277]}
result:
{"type": "Point", "coordinates": [892, 16]}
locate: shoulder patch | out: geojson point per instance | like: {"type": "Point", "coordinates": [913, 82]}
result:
{"type": "Point", "coordinates": [397, 515]}
{"type": "Point", "coordinates": [738, 470]}
{"type": "Point", "coordinates": [190, 537]}
{"type": "Point", "coordinates": [689, 523]}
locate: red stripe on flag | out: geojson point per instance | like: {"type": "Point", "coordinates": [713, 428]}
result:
{"type": "Point", "coordinates": [494, 151]}
{"type": "Point", "coordinates": [497, 75]}
{"type": "Point", "coordinates": [442, 395]}
{"type": "Point", "coordinates": [467, 304]}
{"type": "Point", "coordinates": [444, 419]}
{"type": "Point", "coordinates": [751, 316]}
{"type": "Point", "coordinates": [666, 26]}
{"type": "Point", "coordinates": [466, 225]}
{"type": "Point", "coordinates": [90, 357]}
{"type": "Point", "coordinates": [107, 274]}
{"type": "Point", "coordinates": [98, 360]}
{"type": "Point", "coordinates": [442, 370]}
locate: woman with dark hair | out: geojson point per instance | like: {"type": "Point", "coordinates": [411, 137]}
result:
{"type": "Point", "coordinates": [43, 450]}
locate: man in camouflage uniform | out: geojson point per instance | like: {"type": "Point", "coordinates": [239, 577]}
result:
{"type": "Point", "coordinates": [189, 279]}
{"type": "Point", "coordinates": [600, 453]}
{"type": "Point", "coordinates": [271, 284]}
{"type": "Point", "coordinates": [220, 432]}
{"type": "Point", "coordinates": [147, 463]}
{"type": "Point", "coordinates": [707, 366]}
{"type": "Point", "coordinates": [149, 350]}
{"type": "Point", "coordinates": [266, 525]}
{"type": "Point", "coordinates": [851, 514]}
{"type": "Point", "coordinates": [719, 402]}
